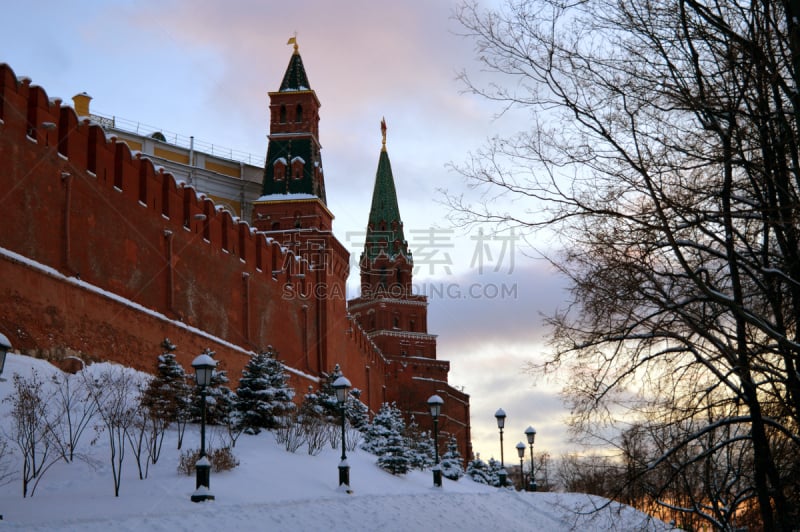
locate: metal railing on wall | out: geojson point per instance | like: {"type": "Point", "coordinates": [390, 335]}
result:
{"type": "Point", "coordinates": [183, 141]}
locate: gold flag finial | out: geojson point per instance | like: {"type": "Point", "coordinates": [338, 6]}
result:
{"type": "Point", "coordinates": [383, 133]}
{"type": "Point", "coordinates": [293, 40]}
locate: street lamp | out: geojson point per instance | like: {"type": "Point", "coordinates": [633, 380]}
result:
{"type": "Point", "coordinates": [342, 385]}
{"type": "Point", "coordinates": [5, 347]}
{"type": "Point", "coordinates": [203, 370]}
{"type": "Point", "coordinates": [435, 404]}
{"type": "Point", "coordinates": [521, 454]}
{"type": "Point", "coordinates": [530, 433]}
{"type": "Point", "coordinates": [500, 415]}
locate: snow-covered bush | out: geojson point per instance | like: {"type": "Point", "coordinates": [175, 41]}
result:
{"type": "Point", "coordinates": [478, 470]}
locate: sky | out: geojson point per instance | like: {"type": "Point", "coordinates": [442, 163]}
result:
{"type": "Point", "coordinates": [271, 489]}
{"type": "Point", "coordinates": [204, 68]}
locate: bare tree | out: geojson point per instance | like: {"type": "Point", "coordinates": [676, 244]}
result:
{"type": "Point", "coordinates": [115, 392]}
{"type": "Point", "coordinates": [32, 430]}
{"type": "Point", "coordinates": [542, 472]}
{"type": "Point", "coordinates": [146, 433]}
{"type": "Point", "coordinates": [75, 412]}
{"type": "Point", "coordinates": [663, 152]}
{"type": "Point", "coordinates": [7, 464]}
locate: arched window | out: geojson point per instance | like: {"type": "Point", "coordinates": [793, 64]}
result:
{"type": "Point", "coordinates": [283, 114]}
{"type": "Point", "coordinates": [298, 116]}
{"type": "Point", "coordinates": [279, 167]}
{"type": "Point", "coordinates": [298, 166]}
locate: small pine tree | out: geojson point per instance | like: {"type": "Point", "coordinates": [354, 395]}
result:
{"type": "Point", "coordinates": [357, 412]}
{"type": "Point", "coordinates": [385, 437]}
{"type": "Point", "coordinates": [396, 455]}
{"type": "Point", "coordinates": [325, 405]}
{"type": "Point", "coordinates": [494, 472]}
{"type": "Point", "coordinates": [478, 470]}
{"type": "Point", "coordinates": [264, 398]}
{"type": "Point", "coordinates": [451, 462]}
{"type": "Point", "coordinates": [168, 395]}
{"type": "Point", "coordinates": [386, 422]}
{"type": "Point", "coordinates": [421, 446]}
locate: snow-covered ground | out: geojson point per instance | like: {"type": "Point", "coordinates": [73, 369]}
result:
{"type": "Point", "coordinates": [275, 490]}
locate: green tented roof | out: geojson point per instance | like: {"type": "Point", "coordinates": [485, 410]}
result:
{"type": "Point", "coordinates": [385, 229]}
{"type": "Point", "coordinates": [295, 78]}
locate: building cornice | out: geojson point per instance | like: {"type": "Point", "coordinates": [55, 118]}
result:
{"type": "Point", "coordinates": [295, 200]}
{"type": "Point", "coordinates": [401, 334]}
{"type": "Point", "coordinates": [355, 304]}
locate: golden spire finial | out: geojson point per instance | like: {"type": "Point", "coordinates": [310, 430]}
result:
{"type": "Point", "coordinates": [293, 40]}
{"type": "Point", "coordinates": [383, 133]}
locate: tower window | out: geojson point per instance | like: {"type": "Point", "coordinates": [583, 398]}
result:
{"type": "Point", "coordinates": [279, 167]}
{"type": "Point", "coordinates": [283, 114]}
{"type": "Point", "coordinates": [298, 165]}
{"type": "Point", "coordinates": [299, 113]}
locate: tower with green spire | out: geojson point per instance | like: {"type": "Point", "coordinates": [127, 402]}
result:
{"type": "Point", "coordinates": [386, 262]}
{"type": "Point", "coordinates": [293, 188]}
{"type": "Point", "coordinates": [395, 318]}
{"type": "Point", "coordinates": [292, 211]}
{"type": "Point", "coordinates": [380, 338]}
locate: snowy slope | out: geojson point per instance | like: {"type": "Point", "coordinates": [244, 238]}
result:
{"type": "Point", "coordinates": [274, 490]}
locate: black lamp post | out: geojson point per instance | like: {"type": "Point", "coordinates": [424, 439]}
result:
{"type": "Point", "coordinates": [521, 454]}
{"type": "Point", "coordinates": [5, 347]}
{"type": "Point", "coordinates": [530, 433]}
{"type": "Point", "coordinates": [500, 415]}
{"type": "Point", "coordinates": [435, 404]}
{"type": "Point", "coordinates": [203, 369]}
{"type": "Point", "coordinates": [342, 385]}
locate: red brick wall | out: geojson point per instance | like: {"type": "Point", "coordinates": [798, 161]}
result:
{"type": "Point", "coordinates": [102, 256]}
{"type": "Point", "coordinates": [86, 207]}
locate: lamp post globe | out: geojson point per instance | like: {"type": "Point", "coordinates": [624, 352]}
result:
{"type": "Point", "coordinates": [5, 347]}
{"type": "Point", "coordinates": [435, 405]}
{"type": "Point", "coordinates": [521, 454]}
{"type": "Point", "coordinates": [530, 433]}
{"type": "Point", "coordinates": [500, 416]}
{"type": "Point", "coordinates": [203, 371]}
{"type": "Point", "coordinates": [342, 385]}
